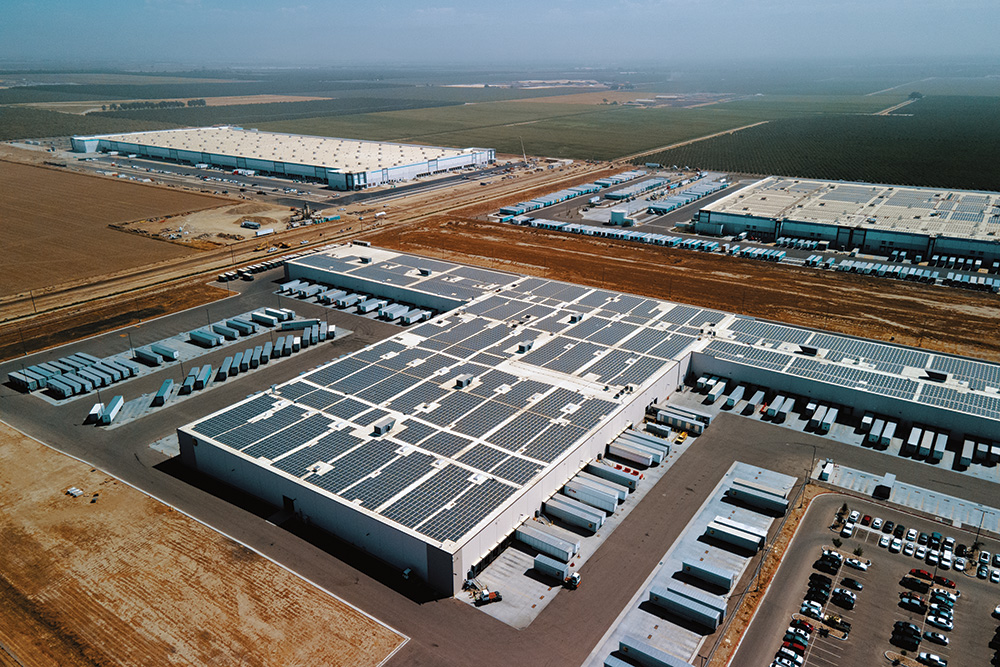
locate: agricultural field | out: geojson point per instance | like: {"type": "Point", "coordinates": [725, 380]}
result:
{"type": "Point", "coordinates": [55, 227]}
{"type": "Point", "coordinates": [937, 141]}
{"type": "Point", "coordinates": [17, 122]}
{"type": "Point", "coordinates": [574, 130]}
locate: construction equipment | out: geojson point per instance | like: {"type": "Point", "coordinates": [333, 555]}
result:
{"type": "Point", "coordinates": [487, 597]}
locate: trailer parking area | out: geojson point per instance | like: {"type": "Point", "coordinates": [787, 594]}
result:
{"type": "Point", "coordinates": [877, 607]}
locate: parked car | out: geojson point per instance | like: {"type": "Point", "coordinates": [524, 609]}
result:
{"type": "Point", "coordinates": [888, 526]}
{"type": "Point", "coordinates": [854, 516]}
{"type": "Point", "coordinates": [921, 574]}
{"type": "Point", "coordinates": [858, 564]}
{"type": "Point", "coordinates": [884, 542]}
{"type": "Point", "coordinates": [851, 582]}
{"type": "Point", "coordinates": [866, 520]}
{"type": "Point", "coordinates": [876, 523]}
{"type": "Point", "coordinates": [899, 531]}
{"type": "Point", "coordinates": [904, 626]}
{"type": "Point", "coordinates": [896, 546]}
{"type": "Point", "coordinates": [936, 637]}
{"type": "Point", "coordinates": [959, 565]}
{"type": "Point", "coordinates": [940, 622]}
{"type": "Point", "coordinates": [799, 623]}
{"type": "Point", "coordinates": [820, 578]}
{"type": "Point", "coordinates": [911, 535]}
{"type": "Point", "coordinates": [944, 581]}
{"type": "Point", "coordinates": [847, 530]}
{"type": "Point", "coordinates": [913, 603]}
{"type": "Point", "coordinates": [908, 549]}
{"type": "Point", "coordinates": [923, 538]}
{"type": "Point", "coordinates": [932, 659]}
{"type": "Point", "coordinates": [982, 572]}
{"type": "Point", "coordinates": [995, 576]}
{"type": "Point", "coordinates": [984, 557]}
{"type": "Point", "coordinates": [921, 552]}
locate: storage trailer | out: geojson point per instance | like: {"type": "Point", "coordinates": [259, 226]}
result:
{"type": "Point", "coordinates": [590, 495]}
{"type": "Point", "coordinates": [161, 396]}
{"type": "Point", "coordinates": [574, 513]}
{"type": "Point", "coordinates": [559, 571]}
{"type": "Point", "coordinates": [114, 407]}
{"type": "Point", "coordinates": [168, 353]}
{"type": "Point", "coordinates": [545, 542]}
{"type": "Point", "coordinates": [616, 475]}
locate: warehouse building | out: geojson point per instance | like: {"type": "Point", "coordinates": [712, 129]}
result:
{"type": "Point", "coordinates": [344, 164]}
{"type": "Point", "coordinates": [430, 448]}
{"type": "Point", "coordinates": [876, 219]}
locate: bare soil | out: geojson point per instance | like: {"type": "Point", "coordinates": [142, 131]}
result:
{"type": "Point", "coordinates": [55, 225]}
{"type": "Point", "coordinates": [213, 226]}
{"type": "Point", "coordinates": [116, 578]}
{"type": "Point", "coordinates": [935, 318]}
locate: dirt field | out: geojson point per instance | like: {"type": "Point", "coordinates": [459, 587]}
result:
{"type": "Point", "coordinates": [55, 225]}
{"type": "Point", "coordinates": [116, 578]}
{"type": "Point", "coordinates": [938, 318]}
{"type": "Point", "coordinates": [216, 225]}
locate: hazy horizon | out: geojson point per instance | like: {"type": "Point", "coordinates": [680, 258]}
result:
{"type": "Point", "coordinates": [164, 33]}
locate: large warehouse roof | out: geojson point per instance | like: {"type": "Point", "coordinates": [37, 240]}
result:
{"type": "Point", "coordinates": [436, 429]}
{"type": "Point", "coordinates": [457, 452]}
{"type": "Point", "coordinates": [351, 155]}
{"type": "Point", "coordinates": [957, 213]}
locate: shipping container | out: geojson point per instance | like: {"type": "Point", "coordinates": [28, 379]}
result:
{"type": "Point", "coordinates": [757, 400]}
{"type": "Point", "coordinates": [716, 391]}
{"type": "Point", "coordinates": [107, 369]}
{"type": "Point", "coordinates": [590, 495]}
{"type": "Point", "coordinates": [60, 388]}
{"type": "Point", "coordinates": [926, 443]}
{"type": "Point", "coordinates": [265, 353]}
{"type": "Point", "coordinates": [296, 344]}
{"type": "Point", "coordinates": [94, 415]}
{"type": "Point", "coordinates": [551, 567]}
{"type": "Point", "coordinates": [736, 396]}
{"type": "Point", "coordinates": [888, 433]}
{"type": "Point", "coordinates": [161, 396]}
{"type": "Point", "coordinates": [324, 331]}
{"type": "Point", "coordinates": [298, 325]}
{"type": "Point", "coordinates": [255, 356]}
{"type": "Point", "coordinates": [829, 420]}
{"type": "Point", "coordinates": [262, 318]}
{"type": "Point", "coordinates": [245, 328]}
{"type": "Point", "coordinates": [415, 316]}
{"type": "Point", "coordinates": [228, 332]}
{"type": "Point", "coordinates": [132, 367]}
{"type": "Point", "coordinates": [545, 542]}
{"type": "Point", "coordinates": [75, 382]}
{"type": "Point", "coordinates": [573, 512]}
{"type": "Point", "coordinates": [205, 338]}
{"type": "Point", "coordinates": [22, 381]}
{"type": "Point", "coordinates": [713, 573]}
{"type": "Point", "coordinates": [168, 353]}
{"type": "Point", "coordinates": [114, 407]}
{"type": "Point", "coordinates": [614, 474]}
{"type": "Point", "coordinates": [204, 377]}
{"type": "Point", "coordinates": [775, 405]}
{"type": "Point", "coordinates": [237, 363]}
{"type": "Point", "coordinates": [876, 431]}
{"type": "Point", "coordinates": [630, 454]}
{"type": "Point", "coordinates": [618, 489]}
{"type": "Point", "coordinates": [867, 422]}
{"type": "Point", "coordinates": [245, 360]}
{"type": "Point", "coordinates": [187, 386]}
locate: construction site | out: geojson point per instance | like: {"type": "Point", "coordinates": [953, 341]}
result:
{"type": "Point", "coordinates": [543, 404]}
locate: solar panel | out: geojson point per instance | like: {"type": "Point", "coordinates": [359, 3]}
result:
{"type": "Point", "coordinates": [552, 442]}
{"type": "Point", "coordinates": [370, 417]}
{"type": "Point", "coordinates": [517, 470]}
{"type": "Point", "coordinates": [319, 399]}
{"type": "Point", "coordinates": [553, 404]}
{"type": "Point", "coordinates": [326, 448]}
{"type": "Point", "coordinates": [445, 444]}
{"type": "Point", "coordinates": [520, 393]}
{"type": "Point", "coordinates": [333, 372]}
{"type": "Point", "coordinates": [412, 432]}
{"type": "Point", "coordinates": [355, 465]}
{"type": "Point", "coordinates": [612, 333]}
{"type": "Point", "coordinates": [288, 439]}
{"type": "Point", "coordinates": [645, 340]}
{"type": "Point", "coordinates": [451, 408]}
{"type": "Point", "coordinates": [249, 433]}
{"type": "Point", "coordinates": [347, 408]}
{"type": "Point", "coordinates": [484, 419]}
{"type": "Point", "coordinates": [428, 497]}
{"type": "Point", "coordinates": [515, 434]}
{"type": "Point", "coordinates": [680, 314]}
{"type": "Point", "coordinates": [637, 373]}
{"type": "Point", "coordinates": [471, 508]}
{"type": "Point", "coordinates": [235, 416]}
{"type": "Point", "coordinates": [425, 392]}
{"type": "Point", "coordinates": [576, 357]}
{"type": "Point", "coordinates": [391, 480]}
{"type": "Point", "coordinates": [483, 457]}
{"type": "Point", "coordinates": [358, 382]}
{"type": "Point", "coordinates": [669, 348]}
{"type": "Point", "coordinates": [387, 388]}
{"type": "Point", "coordinates": [295, 390]}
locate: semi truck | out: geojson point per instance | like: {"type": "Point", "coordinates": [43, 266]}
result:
{"type": "Point", "coordinates": [553, 568]}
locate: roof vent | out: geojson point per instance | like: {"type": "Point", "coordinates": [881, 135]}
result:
{"type": "Point", "coordinates": [809, 350]}
{"type": "Point", "coordinates": [937, 376]}
{"type": "Point", "coordinates": [424, 272]}
{"type": "Point", "coordinates": [575, 317]}
{"type": "Point", "coordinates": [384, 425]}
{"type": "Point", "coordinates": [525, 345]}
{"type": "Point", "coordinates": [463, 380]}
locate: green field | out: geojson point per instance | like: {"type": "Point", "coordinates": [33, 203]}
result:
{"type": "Point", "coordinates": [26, 122]}
{"type": "Point", "coordinates": [576, 131]}
{"type": "Point", "coordinates": [938, 141]}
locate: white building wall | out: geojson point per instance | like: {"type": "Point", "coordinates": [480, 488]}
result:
{"type": "Point", "coordinates": [383, 290]}
{"type": "Point", "coordinates": [347, 522]}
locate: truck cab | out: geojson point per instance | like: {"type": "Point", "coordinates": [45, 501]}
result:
{"type": "Point", "coordinates": [573, 581]}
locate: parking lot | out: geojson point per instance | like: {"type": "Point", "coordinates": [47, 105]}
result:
{"type": "Point", "coordinates": [879, 605]}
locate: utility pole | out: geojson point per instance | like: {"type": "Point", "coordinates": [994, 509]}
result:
{"type": "Point", "coordinates": [523, 154]}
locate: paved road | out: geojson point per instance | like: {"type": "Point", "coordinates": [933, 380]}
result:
{"type": "Point", "coordinates": [447, 632]}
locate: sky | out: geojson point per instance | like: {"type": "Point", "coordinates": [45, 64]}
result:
{"type": "Point", "coordinates": [585, 32]}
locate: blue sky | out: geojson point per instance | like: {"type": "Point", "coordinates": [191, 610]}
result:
{"type": "Point", "coordinates": [585, 31]}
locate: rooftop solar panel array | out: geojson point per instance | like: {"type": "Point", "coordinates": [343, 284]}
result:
{"type": "Point", "coordinates": [509, 423]}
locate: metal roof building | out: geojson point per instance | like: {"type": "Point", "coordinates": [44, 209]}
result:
{"type": "Point", "coordinates": [345, 164]}
{"type": "Point", "coordinates": [498, 401]}
{"type": "Point", "coordinates": [873, 218]}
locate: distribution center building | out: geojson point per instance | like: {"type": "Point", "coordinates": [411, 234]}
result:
{"type": "Point", "coordinates": [428, 449]}
{"type": "Point", "coordinates": [345, 164]}
{"type": "Point", "coordinates": [872, 218]}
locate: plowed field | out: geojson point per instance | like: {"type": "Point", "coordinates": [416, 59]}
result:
{"type": "Point", "coordinates": [936, 318]}
{"type": "Point", "coordinates": [54, 225]}
{"type": "Point", "coordinates": [116, 578]}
